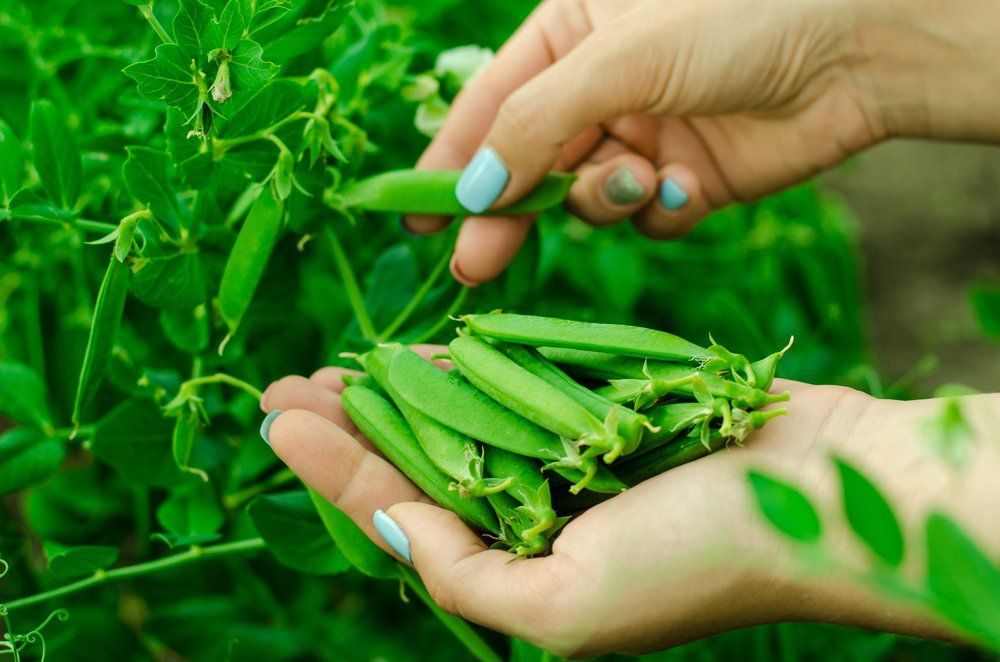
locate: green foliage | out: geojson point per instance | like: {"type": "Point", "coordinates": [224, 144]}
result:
{"type": "Point", "coordinates": [785, 507]}
{"type": "Point", "coordinates": [870, 515]}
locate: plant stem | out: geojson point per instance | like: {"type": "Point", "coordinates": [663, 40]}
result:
{"type": "Point", "coordinates": [79, 223]}
{"type": "Point", "coordinates": [222, 378]}
{"type": "Point", "coordinates": [459, 301]}
{"type": "Point", "coordinates": [237, 499]}
{"type": "Point", "coordinates": [351, 286]}
{"type": "Point", "coordinates": [458, 627]}
{"type": "Point", "coordinates": [195, 553]}
{"type": "Point", "coordinates": [147, 13]}
{"type": "Point", "coordinates": [417, 299]}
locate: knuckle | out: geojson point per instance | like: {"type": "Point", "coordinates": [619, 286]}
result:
{"type": "Point", "coordinates": [521, 114]}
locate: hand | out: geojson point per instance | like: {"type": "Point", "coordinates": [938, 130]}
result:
{"type": "Point", "coordinates": [679, 557]}
{"type": "Point", "coordinates": [669, 110]}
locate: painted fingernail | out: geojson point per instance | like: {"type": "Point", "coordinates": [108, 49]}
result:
{"type": "Point", "coordinates": [672, 196]}
{"type": "Point", "coordinates": [392, 534]}
{"type": "Point", "coordinates": [482, 181]}
{"type": "Point", "coordinates": [622, 188]}
{"type": "Point", "coordinates": [459, 275]}
{"type": "Point", "coordinates": [265, 427]}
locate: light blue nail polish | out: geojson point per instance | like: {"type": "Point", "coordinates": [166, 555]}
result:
{"type": "Point", "coordinates": [265, 427]}
{"type": "Point", "coordinates": [392, 534]}
{"type": "Point", "coordinates": [482, 181]}
{"type": "Point", "coordinates": [672, 196]}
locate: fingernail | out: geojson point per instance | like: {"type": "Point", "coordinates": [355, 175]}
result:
{"type": "Point", "coordinates": [392, 534]}
{"type": "Point", "coordinates": [672, 196]}
{"type": "Point", "coordinates": [456, 271]}
{"type": "Point", "coordinates": [622, 188]}
{"type": "Point", "coordinates": [265, 427]}
{"type": "Point", "coordinates": [482, 181]}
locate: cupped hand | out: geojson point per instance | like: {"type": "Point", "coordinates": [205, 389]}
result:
{"type": "Point", "coordinates": [678, 557]}
{"type": "Point", "coordinates": [666, 110]}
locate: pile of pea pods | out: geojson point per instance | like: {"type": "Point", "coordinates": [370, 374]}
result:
{"type": "Point", "coordinates": [541, 418]}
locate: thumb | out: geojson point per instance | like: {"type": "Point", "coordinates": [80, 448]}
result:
{"type": "Point", "coordinates": [605, 76]}
{"type": "Point", "coordinates": [466, 578]}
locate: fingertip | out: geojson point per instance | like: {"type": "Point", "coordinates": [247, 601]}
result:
{"type": "Point", "coordinates": [486, 245]}
{"type": "Point", "coordinates": [676, 208]}
{"type": "Point", "coordinates": [421, 225]}
{"type": "Point", "coordinates": [610, 191]}
{"type": "Point", "coordinates": [458, 274]}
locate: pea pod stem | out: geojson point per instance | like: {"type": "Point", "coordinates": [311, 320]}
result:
{"type": "Point", "coordinates": [351, 286]}
{"type": "Point", "coordinates": [418, 297]}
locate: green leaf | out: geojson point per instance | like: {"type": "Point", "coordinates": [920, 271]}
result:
{"type": "Point", "coordinates": [230, 26]}
{"type": "Point", "coordinates": [191, 510]}
{"type": "Point", "coordinates": [986, 303]}
{"type": "Point", "coordinates": [56, 156]}
{"type": "Point", "coordinates": [786, 508]}
{"type": "Point", "coordinates": [22, 395]}
{"type": "Point", "coordinates": [11, 163]}
{"type": "Point", "coordinates": [103, 330]}
{"type": "Point", "coordinates": [190, 25]}
{"type": "Point", "coordinates": [187, 330]}
{"type": "Point", "coordinates": [136, 441]}
{"type": "Point", "coordinates": [964, 581]}
{"type": "Point", "coordinates": [363, 554]}
{"type": "Point", "coordinates": [268, 12]}
{"type": "Point", "coordinates": [308, 32]}
{"type": "Point", "coordinates": [263, 109]}
{"type": "Point", "coordinates": [148, 176]}
{"type": "Point", "coordinates": [392, 281]}
{"type": "Point", "coordinates": [27, 458]}
{"type": "Point", "coordinates": [248, 69]}
{"type": "Point", "coordinates": [171, 77]}
{"type": "Point", "coordinates": [870, 515]}
{"type": "Point", "coordinates": [176, 282]}
{"type": "Point", "coordinates": [72, 562]}
{"type": "Point", "coordinates": [295, 534]}
{"type": "Point", "coordinates": [248, 259]}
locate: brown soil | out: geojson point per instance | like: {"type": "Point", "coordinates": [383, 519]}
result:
{"type": "Point", "coordinates": [929, 217]}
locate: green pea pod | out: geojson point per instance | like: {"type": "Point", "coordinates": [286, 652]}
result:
{"type": "Point", "coordinates": [630, 424]}
{"type": "Point", "coordinates": [672, 420]}
{"type": "Point", "coordinates": [766, 369]}
{"type": "Point", "coordinates": [103, 329]}
{"type": "Point", "coordinates": [589, 364]}
{"type": "Point", "coordinates": [452, 452]}
{"type": "Point", "coordinates": [433, 192]}
{"type": "Point", "coordinates": [362, 380]}
{"type": "Point", "coordinates": [613, 338]}
{"type": "Point", "coordinates": [520, 391]}
{"type": "Point", "coordinates": [248, 259]}
{"type": "Point", "coordinates": [387, 429]}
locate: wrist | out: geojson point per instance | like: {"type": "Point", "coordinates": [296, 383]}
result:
{"type": "Point", "coordinates": [929, 68]}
